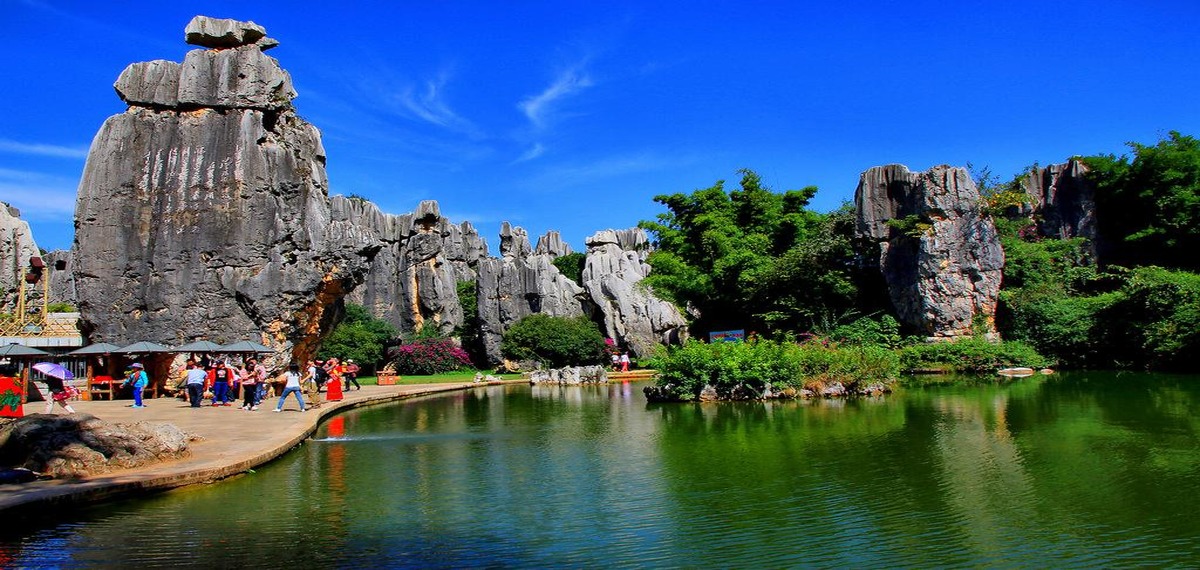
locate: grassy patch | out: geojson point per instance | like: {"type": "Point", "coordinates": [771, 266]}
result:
{"type": "Point", "coordinates": [444, 378]}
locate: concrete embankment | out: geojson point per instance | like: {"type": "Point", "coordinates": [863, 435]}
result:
{"type": "Point", "coordinates": [234, 441]}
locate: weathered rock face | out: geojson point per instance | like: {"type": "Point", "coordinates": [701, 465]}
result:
{"type": "Point", "coordinates": [632, 315]}
{"type": "Point", "coordinates": [80, 445]}
{"type": "Point", "coordinates": [553, 245]}
{"type": "Point", "coordinates": [518, 284]}
{"type": "Point", "coordinates": [943, 265]}
{"type": "Point", "coordinates": [16, 247]}
{"type": "Point", "coordinates": [62, 282]}
{"type": "Point", "coordinates": [570, 376]}
{"type": "Point", "coordinates": [203, 208]}
{"type": "Point", "coordinates": [1064, 202]}
{"type": "Point", "coordinates": [413, 280]}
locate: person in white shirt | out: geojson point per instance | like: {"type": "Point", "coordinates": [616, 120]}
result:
{"type": "Point", "coordinates": [291, 386]}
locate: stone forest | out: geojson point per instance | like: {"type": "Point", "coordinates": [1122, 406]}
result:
{"type": "Point", "coordinates": [860, 408]}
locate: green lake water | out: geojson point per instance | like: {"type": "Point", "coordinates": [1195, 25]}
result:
{"type": "Point", "coordinates": [1071, 470]}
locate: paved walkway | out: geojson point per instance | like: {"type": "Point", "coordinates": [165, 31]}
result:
{"type": "Point", "coordinates": [234, 441]}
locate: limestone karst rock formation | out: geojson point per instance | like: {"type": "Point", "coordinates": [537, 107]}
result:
{"type": "Point", "coordinates": [520, 283]}
{"type": "Point", "coordinates": [16, 247]}
{"type": "Point", "coordinates": [203, 208]}
{"type": "Point", "coordinates": [552, 244]}
{"type": "Point", "coordinates": [632, 315]}
{"type": "Point", "coordinates": [1064, 202]}
{"type": "Point", "coordinates": [413, 280]}
{"type": "Point", "coordinates": [941, 257]}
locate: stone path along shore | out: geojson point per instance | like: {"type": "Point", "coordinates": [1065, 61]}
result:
{"type": "Point", "coordinates": [234, 441]}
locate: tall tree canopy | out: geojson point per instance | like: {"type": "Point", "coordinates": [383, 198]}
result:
{"type": "Point", "coordinates": [1148, 206]}
{"type": "Point", "coordinates": [753, 258]}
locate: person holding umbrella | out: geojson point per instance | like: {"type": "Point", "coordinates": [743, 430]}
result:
{"type": "Point", "coordinates": [56, 377]}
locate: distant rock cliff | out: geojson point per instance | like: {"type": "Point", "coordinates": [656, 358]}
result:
{"type": "Point", "coordinates": [203, 208]}
{"type": "Point", "coordinates": [16, 247]}
{"type": "Point", "coordinates": [940, 253]}
{"type": "Point", "coordinates": [413, 280]}
{"type": "Point", "coordinates": [520, 283]}
{"type": "Point", "coordinates": [1064, 202]}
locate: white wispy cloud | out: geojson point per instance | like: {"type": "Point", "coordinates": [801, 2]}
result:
{"type": "Point", "coordinates": [38, 202]}
{"type": "Point", "coordinates": [428, 104]}
{"type": "Point", "coordinates": [566, 175]}
{"type": "Point", "coordinates": [540, 108]}
{"type": "Point", "coordinates": [39, 149]}
{"type": "Point", "coordinates": [535, 151]}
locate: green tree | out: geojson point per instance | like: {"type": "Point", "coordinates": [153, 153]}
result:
{"type": "Point", "coordinates": [360, 336]}
{"type": "Point", "coordinates": [1148, 206]}
{"type": "Point", "coordinates": [571, 266]}
{"type": "Point", "coordinates": [753, 258]}
{"type": "Point", "coordinates": [469, 331]}
{"type": "Point", "coordinates": [554, 341]}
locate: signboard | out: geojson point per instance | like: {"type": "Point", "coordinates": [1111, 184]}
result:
{"type": "Point", "coordinates": [727, 336]}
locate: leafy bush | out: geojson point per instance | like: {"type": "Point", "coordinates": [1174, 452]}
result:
{"type": "Point", "coordinates": [60, 308]}
{"type": "Point", "coordinates": [748, 368]}
{"type": "Point", "coordinates": [1160, 314]}
{"type": "Point", "coordinates": [430, 356]}
{"type": "Point", "coordinates": [360, 337]}
{"type": "Point", "coordinates": [971, 355]}
{"type": "Point", "coordinates": [554, 341]}
{"type": "Point", "coordinates": [884, 332]}
{"type": "Point", "coordinates": [571, 266]}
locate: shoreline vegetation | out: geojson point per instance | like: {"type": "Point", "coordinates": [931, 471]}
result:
{"type": "Point", "coordinates": [818, 368]}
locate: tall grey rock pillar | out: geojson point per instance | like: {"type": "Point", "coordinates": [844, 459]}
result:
{"type": "Point", "coordinates": [941, 256]}
{"type": "Point", "coordinates": [203, 208]}
{"type": "Point", "coordinates": [16, 247]}
{"type": "Point", "coordinates": [612, 275]}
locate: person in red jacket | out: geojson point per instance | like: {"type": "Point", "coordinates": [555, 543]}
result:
{"type": "Point", "coordinates": [220, 377]}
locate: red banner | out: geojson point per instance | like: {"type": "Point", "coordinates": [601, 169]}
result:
{"type": "Point", "coordinates": [11, 390]}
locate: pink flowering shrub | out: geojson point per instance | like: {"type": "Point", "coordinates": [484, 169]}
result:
{"type": "Point", "coordinates": [430, 356]}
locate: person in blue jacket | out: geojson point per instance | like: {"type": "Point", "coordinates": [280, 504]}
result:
{"type": "Point", "coordinates": [138, 380]}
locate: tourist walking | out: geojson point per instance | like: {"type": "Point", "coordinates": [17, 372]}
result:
{"type": "Point", "coordinates": [350, 372]}
{"type": "Point", "coordinates": [196, 377]}
{"type": "Point", "coordinates": [138, 380]}
{"type": "Point", "coordinates": [333, 388]}
{"type": "Point", "coordinates": [60, 393]}
{"type": "Point", "coordinates": [625, 361]}
{"type": "Point", "coordinates": [291, 385]}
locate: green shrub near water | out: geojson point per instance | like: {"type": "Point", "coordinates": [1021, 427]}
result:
{"type": "Point", "coordinates": [554, 341]}
{"type": "Point", "coordinates": [751, 367]}
{"type": "Point", "coordinates": [971, 355]}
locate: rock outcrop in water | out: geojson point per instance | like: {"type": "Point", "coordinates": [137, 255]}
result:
{"type": "Point", "coordinates": [939, 252]}
{"type": "Point", "coordinates": [203, 208]}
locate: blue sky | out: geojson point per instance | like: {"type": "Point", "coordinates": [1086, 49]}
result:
{"type": "Point", "coordinates": [573, 115]}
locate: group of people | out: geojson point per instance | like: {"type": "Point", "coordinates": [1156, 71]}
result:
{"type": "Point", "coordinates": [620, 361]}
{"type": "Point", "coordinates": [221, 381]}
